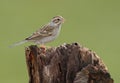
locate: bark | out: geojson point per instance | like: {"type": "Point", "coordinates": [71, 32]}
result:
{"type": "Point", "coordinates": [68, 63]}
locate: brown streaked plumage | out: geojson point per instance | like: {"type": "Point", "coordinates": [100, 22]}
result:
{"type": "Point", "coordinates": [47, 33]}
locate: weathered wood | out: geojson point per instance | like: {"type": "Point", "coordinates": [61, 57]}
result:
{"type": "Point", "coordinates": [69, 63]}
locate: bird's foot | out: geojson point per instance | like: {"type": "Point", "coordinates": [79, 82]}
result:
{"type": "Point", "coordinates": [43, 48]}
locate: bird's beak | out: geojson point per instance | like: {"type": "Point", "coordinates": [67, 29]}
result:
{"type": "Point", "coordinates": [63, 20]}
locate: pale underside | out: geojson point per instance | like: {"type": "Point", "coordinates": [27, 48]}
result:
{"type": "Point", "coordinates": [44, 35]}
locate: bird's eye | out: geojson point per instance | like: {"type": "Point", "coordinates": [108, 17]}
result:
{"type": "Point", "coordinates": [58, 19]}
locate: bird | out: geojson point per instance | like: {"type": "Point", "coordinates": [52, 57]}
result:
{"type": "Point", "coordinates": [47, 33]}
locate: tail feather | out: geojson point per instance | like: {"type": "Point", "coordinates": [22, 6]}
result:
{"type": "Point", "coordinates": [19, 43]}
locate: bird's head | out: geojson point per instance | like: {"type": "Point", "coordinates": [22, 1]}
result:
{"type": "Point", "coordinates": [57, 20]}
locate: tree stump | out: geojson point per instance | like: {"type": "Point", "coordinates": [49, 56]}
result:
{"type": "Point", "coordinates": [68, 63]}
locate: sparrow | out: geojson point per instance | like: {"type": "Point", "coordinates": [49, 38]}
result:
{"type": "Point", "coordinates": [47, 33]}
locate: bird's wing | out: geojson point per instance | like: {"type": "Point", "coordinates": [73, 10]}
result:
{"type": "Point", "coordinates": [41, 33]}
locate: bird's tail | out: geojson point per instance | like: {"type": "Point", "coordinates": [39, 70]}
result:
{"type": "Point", "coordinates": [19, 43]}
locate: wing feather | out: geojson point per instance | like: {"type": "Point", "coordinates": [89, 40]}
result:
{"type": "Point", "coordinates": [41, 33]}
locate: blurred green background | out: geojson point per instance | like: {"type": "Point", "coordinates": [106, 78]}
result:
{"type": "Point", "coordinates": [93, 23]}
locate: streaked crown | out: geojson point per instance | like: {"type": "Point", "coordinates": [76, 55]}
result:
{"type": "Point", "coordinates": [58, 20]}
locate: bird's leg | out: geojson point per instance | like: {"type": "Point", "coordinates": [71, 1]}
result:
{"type": "Point", "coordinates": [43, 48]}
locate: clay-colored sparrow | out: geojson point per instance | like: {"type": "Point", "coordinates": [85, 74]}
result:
{"type": "Point", "coordinates": [46, 34]}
